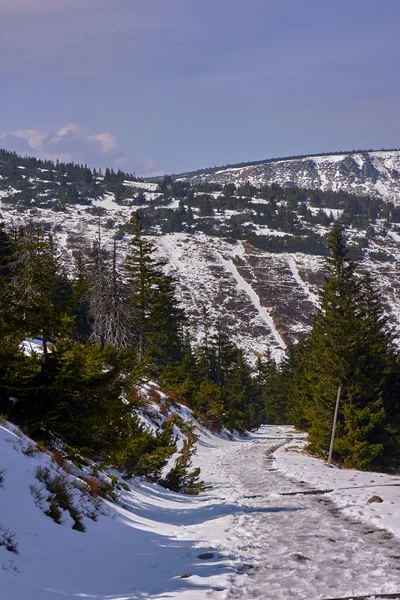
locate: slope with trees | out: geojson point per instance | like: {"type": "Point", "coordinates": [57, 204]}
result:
{"type": "Point", "coordinates": [350, 345]}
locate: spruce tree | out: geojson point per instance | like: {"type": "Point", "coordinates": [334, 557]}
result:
{"type": "Point", "coordinates": [30, 294]}
{"type": "Point", "coordinates": [156, 318]}
{"type": "Point", "coordinates": [9, 338]}
{"type": "Point", "coordinates": [349, 345]}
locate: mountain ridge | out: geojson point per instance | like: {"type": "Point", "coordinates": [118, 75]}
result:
{"type": "Point", "coordinates": [375, 173]}
{"type": "Point", "coordinates": [241, 164]}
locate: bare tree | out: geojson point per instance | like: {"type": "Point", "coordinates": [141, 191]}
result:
{"type": "Point", "coordinates": [109, 306]}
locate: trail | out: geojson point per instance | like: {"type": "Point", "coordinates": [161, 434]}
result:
{"type": "Point", "coordinates": [291, 547]}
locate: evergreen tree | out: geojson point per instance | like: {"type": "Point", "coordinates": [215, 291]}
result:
{"type": "Point", "coordinates": [349, 345]}
{"type": "Point", "coordinates": [80, 300]}
{"type": "Point", "coordinates": [30, 294]}
{"type": "Point", "coordinates": [9, 338]}
{"type": "Point", "coordinates": [157, 321]}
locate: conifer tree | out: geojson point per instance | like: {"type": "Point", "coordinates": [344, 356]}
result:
{"type": "Point", "coordinates": [156, 318]}
{"type": "Point", "coordinates": [30, 294]}
{"type": "Point", "coordinates": [349, 345]}
{"type": "Point", "coordinates": [80, 300]}
{"type": "Point", "coordinates": [9, 339]}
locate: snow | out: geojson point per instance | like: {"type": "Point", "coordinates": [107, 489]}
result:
{"type": "Point", "coordinates": [243, 285]}
{"type": "Point", "coordinates": [336, 213]}
{"type": "Point", "coordinates": [34, 345]}
{"type": "Point", "coordinates": [293, 267]}
{"type": "Point", "coordinates": [334, 158]}
{"type": "Point", "coordinates": [143, 185]}
{"type": "Point", "coordinates": [107, 202]}
{"type": "Point", "coordinates": [351, 488]}
{"type": "Point", "coordinates": [265, 230]}
{"type": "Point", "coordinates": [264, 545]}
{"type": "Point", "coordinates": [203, 266]}
{"type": "Point", "coordinates": [395, 236]}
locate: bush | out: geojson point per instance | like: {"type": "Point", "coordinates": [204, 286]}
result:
{"type": "Point", "coordinates": [180, 478]}
{"type": "Point", "coordinates": [7, 539]}
{"type": "Point", "coordinates": [60, 497]}
{"type": "Point", "coordinates": [147, 454]}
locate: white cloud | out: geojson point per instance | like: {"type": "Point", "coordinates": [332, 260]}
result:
{"type": "Point", "coordinates": [107, 142]}
{"type": "Point", "coordinates": [151, 169]}
{"type": "Point", "coordinates": [70, 143]}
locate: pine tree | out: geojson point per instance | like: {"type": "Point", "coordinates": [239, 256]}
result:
{"type": "Point", "coordinates": [9, 338]}
{"type": "Point", "coordinates": [156, 318]}
{"type": "Point", "coordinates": [30, 294]}
{"type": "Point", "coordinates": [180, 478]}
{"type": "Point", "coordinates": [349, 345]}
{"type": "Point", "coordinates": [80, 300]}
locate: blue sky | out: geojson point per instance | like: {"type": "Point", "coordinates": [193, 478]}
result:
{"type": "Point", "coordinates": [156, 86]}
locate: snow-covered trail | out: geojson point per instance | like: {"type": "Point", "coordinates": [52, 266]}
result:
{"type": "Point", "coordinates": [291, 547]}
{"type": "Point", "coordinates": [239, 540]}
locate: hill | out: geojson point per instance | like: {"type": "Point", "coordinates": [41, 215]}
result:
{"type": "Point", "coordinates": [243, 251]}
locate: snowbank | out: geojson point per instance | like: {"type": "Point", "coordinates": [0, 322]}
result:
{"type": "Point", "coordinates": [351, 489]}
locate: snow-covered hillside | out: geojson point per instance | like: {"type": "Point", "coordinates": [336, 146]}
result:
{"type": "Point", "coordinates": [254, 534]}
{"type": "Point", "coordinates": [253, 258]}
{"type": "Point", "coordinates": [370, 173]}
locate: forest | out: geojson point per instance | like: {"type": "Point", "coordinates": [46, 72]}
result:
{"type": "Point", "coordinates": [230, 211]}
{"type": "Point", "coordinates": [116, 322]}
{"type": "Point", "coordinates": [351, 345]}
{"type": "Point", "coordinates": [105, 329]}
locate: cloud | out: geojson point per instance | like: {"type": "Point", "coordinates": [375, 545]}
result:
{"type": "Point", "coordinates": [71, 143]}
{"type": "Point", "coordinates": [151, 169]}
{"type": "Point", "coordinates": [106, 141]}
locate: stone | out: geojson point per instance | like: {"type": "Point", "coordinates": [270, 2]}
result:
{"type": "Point", "coordinates": [206, 555]}
{"type": "Point", "coordinates": [375, 499]}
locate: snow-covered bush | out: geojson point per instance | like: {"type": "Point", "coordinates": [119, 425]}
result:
{"type": "Point", "coordinates": [7, 539]}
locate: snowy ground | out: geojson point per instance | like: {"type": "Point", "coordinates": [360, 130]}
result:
{"type": "Point", "coordinates": [264, 545]}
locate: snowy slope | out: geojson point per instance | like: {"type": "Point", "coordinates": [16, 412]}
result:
{"type": "Point", "coordinates": [370, 173]}
{"type": "Point", "coordinates": [265, 299]}
{"type": "Point", "coordinates": [261, 544]}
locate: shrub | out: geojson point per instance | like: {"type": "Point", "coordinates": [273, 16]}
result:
{"type": "Point", "coordinates": [7, 539]}
{"type": "Point", "coordinates": [180, 478]}
{"type": "Point", "coordinates": [2, 474]}
{"type": "Point", "coordinates": [60, 497]}
{"type": "Point", "coordinates": [97, 487]}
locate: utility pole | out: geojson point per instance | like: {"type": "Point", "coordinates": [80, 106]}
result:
{"type": "Point", "coordinates": [334, 425]}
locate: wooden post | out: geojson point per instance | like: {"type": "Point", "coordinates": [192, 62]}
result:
{"type": "Point", "coordinates": [334, 425]}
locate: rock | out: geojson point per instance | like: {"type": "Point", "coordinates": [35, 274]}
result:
{"type": "Point", "coordinates": [375, 499]}
{"type": "Point", "coordinates": [300, 557]}
{"type": "Point", "coordinates": [186, 575]}
{"type": "Point", "coordinates": [206, 555]}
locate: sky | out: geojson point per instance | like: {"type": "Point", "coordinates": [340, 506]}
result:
{"type": "Point", "coordinates": [166, 86]}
